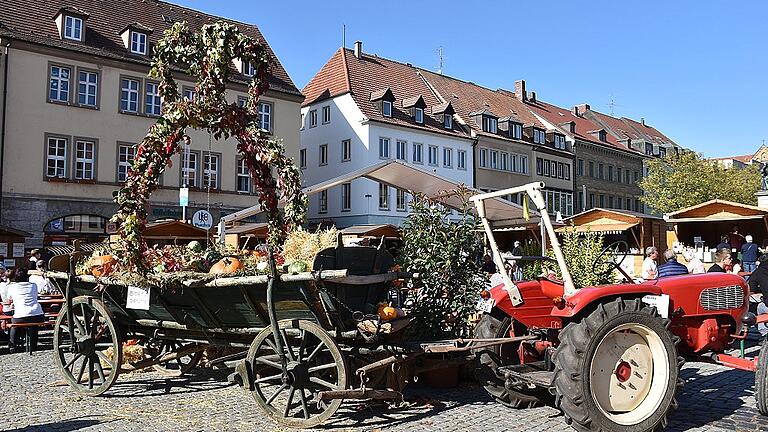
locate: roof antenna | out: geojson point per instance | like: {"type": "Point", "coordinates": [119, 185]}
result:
{"type": "Point", "coordinates": [440, 56]}
{"type": "Point", "coordinates": [612, 105]}
{"type": "Point", "coordinates": [343, 35]}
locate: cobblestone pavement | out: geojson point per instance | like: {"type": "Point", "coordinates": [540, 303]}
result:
{"type": "Point", "coordinates": [714, 399]}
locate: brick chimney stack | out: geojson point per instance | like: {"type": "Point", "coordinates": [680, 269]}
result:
{"type": "Point", "coordinates": [579, 110]}
{"type": "Point", "coordinates": [520, 90]}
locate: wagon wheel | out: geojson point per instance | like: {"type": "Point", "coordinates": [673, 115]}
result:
{"type": "Point", "coordinates": [315, 364]}
{"type": "Point", "coordinates": [97, 347]}
{"type": "Point", "coordinates": [173, 368]}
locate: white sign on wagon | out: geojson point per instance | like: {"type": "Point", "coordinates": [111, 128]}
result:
{"type": "Point", "coordinates": [9, 263]}
{"type": "Point", "coordinates": [4, 249]}
{"type": "Point", "coordinates": [18, 250]}
{"type": "Point", "coordinates": [138, 298]}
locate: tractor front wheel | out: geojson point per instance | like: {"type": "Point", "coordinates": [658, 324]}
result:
{"type": "Point", "coordinates": [761, 380]}
{"type": "Point", "coordinates": [617, 369]}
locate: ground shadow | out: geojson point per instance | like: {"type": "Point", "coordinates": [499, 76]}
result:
{"type": "Point", "coordinates": [149, 384]}
{"type": "Point", "coordinates": [63, 426]}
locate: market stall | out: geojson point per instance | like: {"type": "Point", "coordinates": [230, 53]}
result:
{"type": "Point", "coordinates": [639, 230]}
{"type": "Point", "coordinates": [172, 231]}
{"type": "Point", "coordinates": [701, 226]}
{"type": "Point", "coordinates": [246, 236]}
{"type": "Point", "coordinates": [12, 247]}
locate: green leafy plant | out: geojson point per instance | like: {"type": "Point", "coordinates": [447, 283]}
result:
{"type": "Point", "coordinates": [580, 251]}
{"type": "Point", "coordinates": [207, 56]}
{"type": "Point", "coordinates": [530, 269]}
{"type": "Point", "coordinates": [444, 250]}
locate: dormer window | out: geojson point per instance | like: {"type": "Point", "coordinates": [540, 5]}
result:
{"type": "Point", "coordinates": [448, 121]}
{"type": "Point", "coordinates": [559, 141]}
{"type": "Point", "coordinates": [418, 115]}
{"type": "Point", "coordinates": [138, 43]}
{"type": "Point", "coordinates": [649, 149]}
{"type": "Point", "coordinates": [662, 152]}
{"type": "Point", "coordinates": [73, 28]}
{"type": "Point", "coordinates": [490, 124]}
{"type": "Point", "coordinates": [539, 136]}
{"type": "Point", "coordinates": [248, 68]}
{"type": "Point", "coordinates": [386, 108]}
{"type": "Point", "coordinates": [383, 99]}
{"type": "Point", "coordinates": [444, 113]}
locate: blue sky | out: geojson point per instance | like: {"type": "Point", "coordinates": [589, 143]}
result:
{"type": "Point", "coordinates": [693, 69]}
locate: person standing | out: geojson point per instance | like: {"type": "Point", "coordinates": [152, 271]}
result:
{"type": "Point", "coordinates": [23, 294]}
{"type": "Point", "coordinates": [749, 254]}
{"type": "Point", "coordinates": [649, 264]}
{"type": "Point", "coordinates": [723, 244]}
{"type": "Point", "coordinates": [758, 284]}
{"type": "Point", "coordinates": [671, 267]}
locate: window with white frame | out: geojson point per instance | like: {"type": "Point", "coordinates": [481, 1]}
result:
{"type": "Point", "coordinates": [401, 150]}
{"type": "Point", "coordinates": [504, 161]}
{"type": "Point", "coordinates": [401, 201]}
{"type": "Point", "coordinates": [383, 148]}
{"type": "Point", "coordinates": [73, 28]}
{"type": "Point", "coordinates": [432, 155]}
{"type": "Point", "coordinates": [448, 121]}
{"type": "Point", "coordinates": [326, 114]}
{"type": "Point", "coordinates": [58, 89]}
{"type": "Point", "coordinates": [265, 116]}
{"type": "Point", "coordinates": [383, 197]}
{"type": "Point", "coordinates": [243, 179]}
{"type": "Point", "coordinates": [88, 87]}
{"type": "Point", "coordinates": [539, 136]}
{"type": "Point", "coordinates": [125, 155]}
{"type": "Point", "coordinates": [189, 168]}
{"type": "Point", "coordinates": [346, 196]}
{"type": "Point", "coordinates": [490, 124]}
{"type": "Point", "coordinates": [418, 115]}
{"type": "Point", "coordinates": [312, 118]}
{"type": "Point", "coordinates": [210, 171]}
{"type": "Point", "coordinates": [323, 157]}
{"type": "Point", "coordinates": [386, 108]}
{"type": "Point", "coordinates": [559, 142]}
{"type": "Point", "coordinates": [483, 158]}
{"type": "Point", "coordinates": [346, 150]}
{"type": "Point", "coordinates": [248, 68]}
{"type": "Point", "coordinates": [515, 130]}
{"type": "Point", "coordinates": [418, 153]}
{"type": "Point", "coordinates": [303, 158]}
{"type": "Point", "coordinates": [189, 93]}
{"type": "Point", "coordinates": [152, 103]}
{"type": "Point", "coordinates": [523, 165]}
{"type": "Point", "coordinates": [461, 159]}
{"type": "Point", "coordinates": [495, 159]}
{"type": "Point", "coordinates": [56, 158]}
{"type": "Point", "coordinates": [85, 160]}
{"type": "Point", "coordinates": [322, 201]}
{"type": "Point", "coordinates": [138, 43]}
{"type": "Point", "coordinates": [447, 157]}
{"type": "Point", "coordinates": [129, 95]}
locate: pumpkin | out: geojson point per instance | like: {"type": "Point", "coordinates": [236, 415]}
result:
{"type": "Point", "coordinates": [226, 265]}
{"type": "Point", "coordinates": [101, 265]}
{"type": "Point", "coordinates": [387, 313]}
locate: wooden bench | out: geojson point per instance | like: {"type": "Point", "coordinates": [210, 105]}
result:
{"type": "Point", "coordinates": [28, 343]}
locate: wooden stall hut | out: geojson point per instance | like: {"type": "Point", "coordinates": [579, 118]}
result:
{"type": "Point", "coordinates": [702, 226]}
{"type": "Point", "coordinates": [172, 232]}
{"type": "Point", "coordinates": [639, 230]}
{"type": "Point", "coordinates": [246, 236]}
{"type": "Point", "coordinates": [13, 247]}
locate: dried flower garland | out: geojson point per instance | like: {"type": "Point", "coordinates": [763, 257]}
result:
{"type": "Point", "coordinates": [207, 55]}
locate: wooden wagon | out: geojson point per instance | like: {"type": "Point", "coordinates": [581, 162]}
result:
{"type": "Point", "coordinates": [331, 345]}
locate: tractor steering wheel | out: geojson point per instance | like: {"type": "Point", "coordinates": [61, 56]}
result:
{"type": "Point", "coordinates": [606, 261]}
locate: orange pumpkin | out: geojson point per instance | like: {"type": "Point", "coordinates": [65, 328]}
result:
{"type": "Point", "coordinates": [387, 313]}
{"type": "Point", "coordinates": [226, 265]}
{"type": "Point", "coordinates": [102, 265]}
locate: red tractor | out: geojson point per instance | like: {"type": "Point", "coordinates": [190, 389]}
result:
{"type": "Point", "coordinates": [610, 355]}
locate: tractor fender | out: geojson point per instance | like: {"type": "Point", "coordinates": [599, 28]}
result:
{"type": "Point", "coordinates": [585, 297]}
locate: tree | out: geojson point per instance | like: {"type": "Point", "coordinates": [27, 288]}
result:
{"type": "Point", "coordinates": [676, 182]}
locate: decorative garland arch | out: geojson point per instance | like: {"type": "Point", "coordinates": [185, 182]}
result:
{"type": "Point", "coordinates": [208, 56]}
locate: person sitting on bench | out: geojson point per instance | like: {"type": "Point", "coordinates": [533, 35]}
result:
{"type": "Point", "coordinates": [23, 295]}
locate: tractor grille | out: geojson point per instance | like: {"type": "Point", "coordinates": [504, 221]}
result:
{"type": "Point", "coordinates": [730, 297]}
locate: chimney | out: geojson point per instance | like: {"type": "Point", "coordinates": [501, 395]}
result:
{"type": "Point", "coordinates": [533, 96]}
{"type": "Point", "coordinates": [520, 90]}
{"type": "Point", "coordinates": [358, 49]}
{"type": "Point", "coordinates": [642, 120]}
{"type": "Point", "coordinates": [579, 110]}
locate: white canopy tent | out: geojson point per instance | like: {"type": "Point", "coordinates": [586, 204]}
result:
{"type": "Point", "coordinates": [499, 211]}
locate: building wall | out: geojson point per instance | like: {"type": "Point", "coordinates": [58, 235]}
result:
{"type": "Point", "coordinates": [30, 199]}
{"type": "Point", "coordinates": [348, 122]}
{"type": "Point", "coordinates": [595, 186]}
{"type": "Point", "coordinates": [495, 179]}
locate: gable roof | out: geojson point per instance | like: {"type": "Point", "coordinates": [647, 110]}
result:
{"type": "Point", "coordinates": [468, 98]}
{"type": "Point", "coordinates": [33, 21]}
{"type": "Point", "coordinates": [623, 128]}
{"type": "Point", "coordinates": [367, 78]}
{"type": "Point", "coordinates": [717, 209]}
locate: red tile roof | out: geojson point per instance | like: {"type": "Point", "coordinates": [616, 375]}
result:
{"type": "Point", "coordinates": [345, 73]}
{"type": "Point", "coordinates": [33, 21]}
{"type": "Point", "coordinates": [626, 127]}
{"type": "Point", "coordinates": [743, 158]}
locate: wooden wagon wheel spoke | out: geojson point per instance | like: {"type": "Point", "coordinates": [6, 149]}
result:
{"type": "Point", "coordinates": [304, 404]}
{"type": "Point", "coordinates": [288, 347]}
{"type": "Point", "coordinates": [90, 372]}
{"type": "Point", "coordinates": [71, 364]}
{"type": "Point", "coordinates": [276, 393]}
{"type": "Point", "coordinates": [100, 370]}
{"type": "Point", "coordinates": [269, 363]}
{"type": "Point", "coordinates": [322, 367]}
{"type": "Point", "coordinates": [290, 400]}
{"type": "Point", "coordinates": [316, 351]}
{"type": "Point", "coordinates": [323, 383]}
{"type": "Point", "coordinates": [82, 370]}
{"type": "Point", "coordinates": [269, 378]}
{"type": "Point", "coordinates": [302, 344]}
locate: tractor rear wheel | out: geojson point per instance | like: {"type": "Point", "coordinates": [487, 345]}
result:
{"type": "Point", "coordinates": [761, 380]}
{"type": "Point", "coordinates": [617, 369]}
{"type": "Point", "coordinates": [491, 358]}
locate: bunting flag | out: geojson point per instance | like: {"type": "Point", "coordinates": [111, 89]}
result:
{"type": "Point", "coordinates": [526, 213]}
